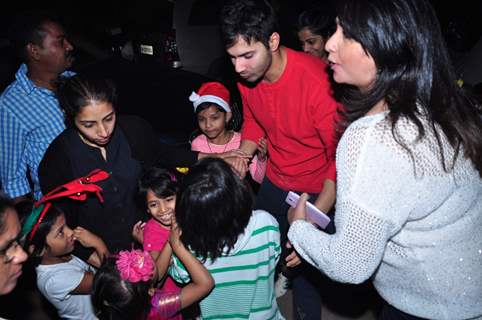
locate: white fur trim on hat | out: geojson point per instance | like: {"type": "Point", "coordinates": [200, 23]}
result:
{"type": "Point", "coordinates": [197, 100]}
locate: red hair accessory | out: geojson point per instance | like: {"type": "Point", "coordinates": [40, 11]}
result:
{"type": "Point", "coordinates": [76, 189]}
{"type": "Point", "coordinates": [135, 265]}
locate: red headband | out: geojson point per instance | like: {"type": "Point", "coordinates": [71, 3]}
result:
{"type": "Point", "coordinates": [76, 189]}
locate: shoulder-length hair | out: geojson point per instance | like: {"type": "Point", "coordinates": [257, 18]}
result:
{"type": "Point", "coordinates": [414, 72]}
{"type": "Point", "coordinates": [213, 208]}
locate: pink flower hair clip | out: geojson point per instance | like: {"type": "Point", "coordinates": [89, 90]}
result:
{"type": "Point", "coordinates": [135, 265]}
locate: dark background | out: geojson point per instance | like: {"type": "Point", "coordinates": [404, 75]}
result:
{"type": "Point", "coordinates": [154, 90]}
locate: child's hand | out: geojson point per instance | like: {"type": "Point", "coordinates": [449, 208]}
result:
{"type": "Point", "coordinates": [175, 234]}
{"type": "Point", "coordinates": [262, 149]}
{"type": "Point", "coordinates": [138, 231]}
{"type": "Point", "coordinates": [86, 238]}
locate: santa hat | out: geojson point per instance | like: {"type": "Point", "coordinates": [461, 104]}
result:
{"type": "Point", "coordinates": [213, 92]}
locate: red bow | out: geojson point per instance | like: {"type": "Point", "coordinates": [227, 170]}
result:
{"type": "Point", "coordinates": [76, 189]}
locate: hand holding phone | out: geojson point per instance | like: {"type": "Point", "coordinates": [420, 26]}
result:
{"type": "Point", "coordinates": [313, 214]}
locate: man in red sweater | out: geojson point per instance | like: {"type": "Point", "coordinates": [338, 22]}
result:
{"type": "Point", "coordinates": [287, 99]}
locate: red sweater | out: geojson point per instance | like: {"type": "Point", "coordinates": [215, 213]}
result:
{"type": "Point", "coordinates": [297, 114]}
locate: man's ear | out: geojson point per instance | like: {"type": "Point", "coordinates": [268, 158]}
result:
{"type": "Point", "coordinates": [274, 41]}
{"type": "Point", "coordinates": [33, 51]}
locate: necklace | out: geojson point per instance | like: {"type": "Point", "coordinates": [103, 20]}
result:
{"type": "Point", "coordinates": [230, 136]}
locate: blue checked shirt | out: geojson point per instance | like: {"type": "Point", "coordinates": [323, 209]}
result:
{"type": "Point", "coordinates": [30, 118]}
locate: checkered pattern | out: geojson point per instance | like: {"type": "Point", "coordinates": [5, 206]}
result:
{"type": "Point", "coordinates": [30, 118]}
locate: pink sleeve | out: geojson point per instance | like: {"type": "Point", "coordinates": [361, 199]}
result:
{"type": "Point", "coordinates": [199, 144]}
{"type": "Point", "coordinates": [155, 237]}
{"type": "Point", "coordinates": [257, 169]}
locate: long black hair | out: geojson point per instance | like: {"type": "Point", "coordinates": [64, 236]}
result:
{"type": "Point", "coordinates": [213, 208]}
{"type": "Point", "coordinates": [414, 72]}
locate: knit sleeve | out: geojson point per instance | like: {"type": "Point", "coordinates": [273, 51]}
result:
{"type": "Point", "coordinates": [352, 254]}
{"type": "Point", "coordinates": [373, 204]}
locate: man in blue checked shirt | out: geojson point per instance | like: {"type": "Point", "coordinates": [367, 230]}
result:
{"type": "Point", "coordinates": [30, 117]}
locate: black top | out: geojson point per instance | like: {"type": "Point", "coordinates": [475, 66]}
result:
{"type": "Point", "coordinates": [133, 146]}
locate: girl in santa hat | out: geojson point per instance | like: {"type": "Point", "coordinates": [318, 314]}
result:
{"type": "Point", "coordinates": [216, 122]}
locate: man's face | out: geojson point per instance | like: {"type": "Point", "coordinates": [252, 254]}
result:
{"type": "Point", "coordinates": [251, 60]}
{"type": "Point", "coordinates": [55, 53]}
{"type": "Point", "coordinates": [12, 255]}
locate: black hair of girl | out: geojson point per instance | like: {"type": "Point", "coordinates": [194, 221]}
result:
{"type": "Point", "coordinates": [38, 241]}
{"type": "Point", "coordinates": [213, 207]}
{"type": "Point", "coordinates": [319, 20]}
{"type": "Point", "coordinates": [79, 91]}
{"type": "Point", "coordinates": [233, 124]}
{"type": "Point", "coordinates": [162, 182]}
{"type": "Point", "coordinates": [414, 72]}
{"type": "Point", "coordinates": [114, 298]}
{"type": "Point", "coordinates": [5, 204]}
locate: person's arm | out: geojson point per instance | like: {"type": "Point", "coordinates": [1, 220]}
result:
{"type": "Point", "coordinates": [13, 162]}
{"type": "Point", "coordinates": [201, 280]}
{"type": "Point", "coordinates": [325, 117]}
{"type": "Point", "coordinates": [326, 198]}
{"type": "Point", "coordinates": [85, 285]}
{"type": "Point", "coordinates": [257, 167]}
{"type": "Point", "coordinates": [163, 260]}
{"type": "Point", "coordinates": [379, 193]}
{"type": "Point", "coordinates": [251, 132]}
{"type": "Point", "coordinates": [90, 240]}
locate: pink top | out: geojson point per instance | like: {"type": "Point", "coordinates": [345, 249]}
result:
{"type": "Point", "coordinates": [155, 238]}
{"type": "Point", "coordinates": [257, 168]}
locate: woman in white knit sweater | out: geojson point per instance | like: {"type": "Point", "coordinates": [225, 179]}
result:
{"type": "Point", "coordinates": [409, 197]}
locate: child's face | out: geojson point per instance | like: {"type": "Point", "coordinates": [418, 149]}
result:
{"type": "Point", "coordinates": [161, 209]}
{"type": "Point", "coordinates": [60, 239]}
{"type": "Point", "coordinates": [212, 121]}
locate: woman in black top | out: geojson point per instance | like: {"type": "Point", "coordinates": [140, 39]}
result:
{"type": "Point", "coordinates": [96, 138]}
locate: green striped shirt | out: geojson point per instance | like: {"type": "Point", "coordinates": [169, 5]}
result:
{"type": "Point", "coordinates": [244, 279]}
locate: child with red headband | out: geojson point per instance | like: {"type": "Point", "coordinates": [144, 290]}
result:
{"type": "Point", "coordinates": [64, 279]}
{"type": "Point", "coordinates": [216, 121]}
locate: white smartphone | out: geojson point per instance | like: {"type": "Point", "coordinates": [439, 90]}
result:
{"type": "Point", "coordinates": [313, 214]}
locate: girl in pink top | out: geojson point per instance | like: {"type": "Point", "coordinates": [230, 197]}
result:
{"type": "Point", "coordinates": [214, 117]}
{"type": "Point", "coordinates": [159, 187]}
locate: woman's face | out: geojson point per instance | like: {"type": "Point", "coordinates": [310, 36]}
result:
{"type": "Point", "coordinates": [12, 255]}
{"type": "Point", "coordinates": [311, 43]}
{"type": "Point", "coordinates": [349, 61]}
{"type": "Point", "coordinates": [95, 122]}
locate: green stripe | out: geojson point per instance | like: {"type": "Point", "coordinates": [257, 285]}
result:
{"type": "Point", "coordinates": [242, 315]}
{"type": "Point", "coordinates": [244, 282]}
{"type": "Point", "coordinates": [267, 228]}
{"type": "Point", "coordinates": [244, 267]}
{"type": "Point", "coordinates": [258, 249]}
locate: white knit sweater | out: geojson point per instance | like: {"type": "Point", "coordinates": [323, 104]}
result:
{"type": "Point", "coordinates": [403, 220]}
